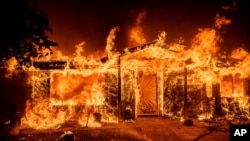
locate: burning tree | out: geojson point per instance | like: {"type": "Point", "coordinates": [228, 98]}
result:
{"type": "Point", "coordinates": [23, 36]}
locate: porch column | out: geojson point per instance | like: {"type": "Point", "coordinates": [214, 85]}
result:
{"type": "Point", "coordinates": [119, 91]}
{"type": "Point", "coordinates": [185, 92]}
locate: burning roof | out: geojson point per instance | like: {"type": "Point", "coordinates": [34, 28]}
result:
{"type": "Point", "coordinates": [157, 78]}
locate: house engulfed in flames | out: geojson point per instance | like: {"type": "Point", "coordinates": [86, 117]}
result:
{"type": "Point", "coordinates": [153, 79]}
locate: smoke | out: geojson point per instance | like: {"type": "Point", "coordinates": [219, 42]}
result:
{"type": "Point", "coordinates": [230, 6]}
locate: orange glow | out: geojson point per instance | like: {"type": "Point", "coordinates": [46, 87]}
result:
{"type": "Point", "coordinates": [77, 87]}
{"type": "Point", "coordinates": [136, 35]}
{"type": "Point", "coordinates": [226, 86]}
{"type": "Point", "coordinates": [11, 66]}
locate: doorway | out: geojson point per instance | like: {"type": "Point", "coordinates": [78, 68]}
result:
{"type": "Point", "coordinates": [148, 103]}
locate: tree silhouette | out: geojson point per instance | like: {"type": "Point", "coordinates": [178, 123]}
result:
{"type": "Point", "coordinates": [23, 30]}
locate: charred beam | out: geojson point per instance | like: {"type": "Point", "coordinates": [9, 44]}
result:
{"type": "Point", "coordinates": [217, 96]}
{"type": "Point", "coordinates": [50, 65]}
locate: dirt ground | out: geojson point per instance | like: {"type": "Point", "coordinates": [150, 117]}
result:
{"type": "Point", "coordinates": [142, 129]}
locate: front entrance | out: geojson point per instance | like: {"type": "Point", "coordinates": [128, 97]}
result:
{"type": "Point", "coordinates": [147, 105]}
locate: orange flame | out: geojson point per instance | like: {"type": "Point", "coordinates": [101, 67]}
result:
{"type": "Point", "coordinates": [78, 89]}
{"type": "Point", "coordinates": [136, 35]}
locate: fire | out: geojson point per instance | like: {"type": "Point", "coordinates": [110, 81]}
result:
{"type": "Point", "coordinates": [144, 80]}
{"type": "Point", "coordinates": [220, 21]}
{"type": "Point", "coordinates": [11, 66]}
{"type": "Point", "coordinates": [70, 95]}
{"type": "Point", "coordinates": [110, 41]}
{"type": "Point", "coordinates": [239, 53]}
{"type": "Point", "coordinates": [84, 88]}
{"type": "Point", "coordinates": [136, 35]}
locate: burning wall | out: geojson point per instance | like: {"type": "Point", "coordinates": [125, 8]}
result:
{"type": "Point", "coordinates": [152, 79]}
{"type": "Point", "coordinates": [157, 79]}
{"type": "Point", "coordinates": [206, 98]}
{"type": "Point", "coordinates": [71, 96]}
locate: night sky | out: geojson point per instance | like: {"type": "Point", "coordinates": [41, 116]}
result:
{"type": "Point", "coordinates": [74, 21]}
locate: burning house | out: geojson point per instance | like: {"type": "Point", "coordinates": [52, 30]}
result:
{"type": "Point", "coordinates": [153, 79]}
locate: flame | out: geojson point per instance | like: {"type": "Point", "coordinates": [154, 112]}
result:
{"type": "Point", "coordinates": [220, 21]}
{"type": "Point", "coordinates": [136, 35]}
{"type": "Point", "coordinates": [238, 53]}
{"type": "Point", "coordinates": [75, 89]}
{"type": "Point", "coordinates": [67, 95]}
{"type": "Point", "coordinates": [11, 67]}
{"type": "Point", "coordinates": [110, 41]}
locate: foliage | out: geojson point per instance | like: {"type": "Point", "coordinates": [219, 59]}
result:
{"type": "Point", "coordinates": [23, 30]}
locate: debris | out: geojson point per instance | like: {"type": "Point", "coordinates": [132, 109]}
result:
{"type": "Point", "coordinates": [67, 136]}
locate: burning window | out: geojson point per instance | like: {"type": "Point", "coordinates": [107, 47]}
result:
{"type": "Point", "coordinates": [232, 86]}
{"type": "Point", "coordinates": [78, 89]}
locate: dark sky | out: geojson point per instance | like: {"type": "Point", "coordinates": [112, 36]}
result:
{"type": "Point", "coordinates": [74, 21]}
